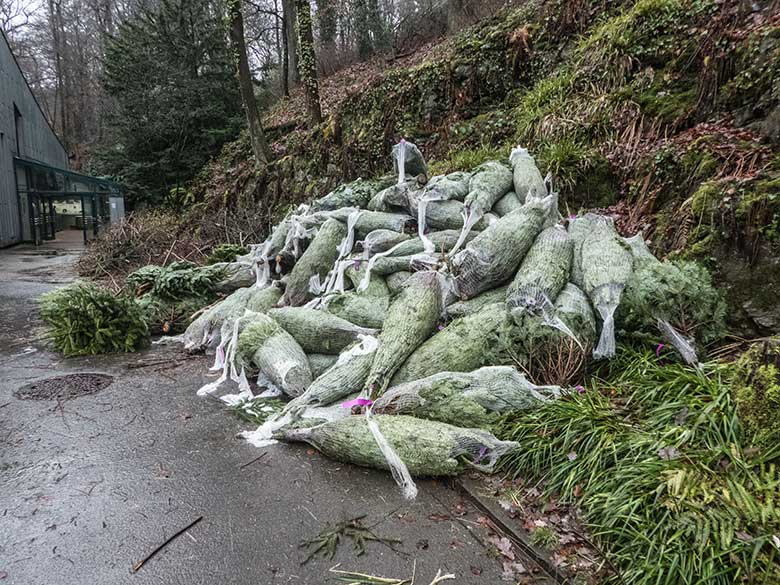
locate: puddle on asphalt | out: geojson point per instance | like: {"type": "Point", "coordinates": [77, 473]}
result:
{"type": "Point", "coordinates": [63, 387]}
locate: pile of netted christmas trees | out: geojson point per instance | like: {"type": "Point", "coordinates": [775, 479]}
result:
{"type": "Point", "coordinates": [398, 315]}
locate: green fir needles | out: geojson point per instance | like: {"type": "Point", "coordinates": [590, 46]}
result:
{"type": "Point", "coordinates": [428, 448]}
{"type": "Point", "coordinates": [543, 273]}
{"type": "Point", "coordinates": [317, 259]}
{"type": "Point", "coordinates": [494, 255]}
{"type": "Point", "coordinates": [606, 269]}
{"type": "Point", "coordinates": [276, 354]}
{"type": "Point", "coordinates": [85, 319]}
{"type": "Point", "coordinates": [472, 399]}
{"type": "Point", "coordinates": [411, 318]}
{"type": "Point", "coordinates": [461, 346]}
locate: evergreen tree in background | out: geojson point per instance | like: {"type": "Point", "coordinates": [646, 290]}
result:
{"type": "Point", "coordinates": [171, 75]}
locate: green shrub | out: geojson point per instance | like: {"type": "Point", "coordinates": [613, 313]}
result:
{"type": "Point", "coordinates": [568, 159]}
{"type": "Point", "coordinates": [169, 317]}
{"type": "Point", "coordinates": [546, 537]}
{"type": "Point", "coordinates": [85, 319]}
{"type": "Point", "coordinates": [180, 280]}
{"type": "Point", "coordinates": [225, 253]}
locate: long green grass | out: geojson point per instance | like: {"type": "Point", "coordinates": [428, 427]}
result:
{"type": "Point", "coordinates": [653, 455]}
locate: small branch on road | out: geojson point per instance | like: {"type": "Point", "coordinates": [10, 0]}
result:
{"type": "Point", "coordinates": [140, 563]}
{"type": "Point", "coordinates": [149, 364]}
{"type": "Point", "coordinates": [248, 463]}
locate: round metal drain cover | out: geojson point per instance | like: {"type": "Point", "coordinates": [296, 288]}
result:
{"type": "Point", "coordinates": [63, 387]}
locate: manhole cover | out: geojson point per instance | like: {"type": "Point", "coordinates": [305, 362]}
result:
{"type": "Point", "coordinates": [63, 387]}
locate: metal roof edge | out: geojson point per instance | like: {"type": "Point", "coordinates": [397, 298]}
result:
{"type": "Point", "coordinates": [89, 178]}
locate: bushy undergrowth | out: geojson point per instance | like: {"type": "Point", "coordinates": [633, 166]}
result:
{"type": "Point", "coordinates": [170, 295]}
{"type": "Point", "coordinates": [85, 319]}
{"type": "Point", "coordinates": [162, 236]}
{"type": "Point", "coordinates": [139, 239]}
{"type": "Point", "coordinates": [225, 253]}
{"type": "Point", "coordinates": [656, 457]}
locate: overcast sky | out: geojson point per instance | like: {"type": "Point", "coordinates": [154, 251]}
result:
{"type": "Point", "coordinates": [16, 13]}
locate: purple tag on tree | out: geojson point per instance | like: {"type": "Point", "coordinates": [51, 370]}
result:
{"type": "Point", "coordinates": [357, 402]}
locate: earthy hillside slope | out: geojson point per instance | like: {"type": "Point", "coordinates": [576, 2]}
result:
{"type": "Point", "coordinates": [664, 112]}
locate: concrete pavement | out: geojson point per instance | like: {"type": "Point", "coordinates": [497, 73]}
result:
{"type": "Point", "coordinates": [90, 485]}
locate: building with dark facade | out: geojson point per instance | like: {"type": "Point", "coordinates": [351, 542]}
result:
{"type": "Point", "coordinates": [39, 195]}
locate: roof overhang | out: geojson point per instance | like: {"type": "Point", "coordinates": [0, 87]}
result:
{"type": "Point", "coordinates": [106, 185]}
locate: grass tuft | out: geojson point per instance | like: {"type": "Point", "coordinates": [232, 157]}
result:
{"type": "Point", "coordinates": [653, 453]}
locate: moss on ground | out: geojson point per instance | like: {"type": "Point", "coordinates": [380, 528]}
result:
{"type": "Point", "coordinates": [756, 389]}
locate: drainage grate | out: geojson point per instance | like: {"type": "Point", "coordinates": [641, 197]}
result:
{"type": "Point", "coordinates": [63, 387]}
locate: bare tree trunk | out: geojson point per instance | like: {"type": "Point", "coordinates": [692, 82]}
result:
{"type": "Point", "coordinates": [459, 14]}
{"type": "Point", "coordinates": [377, 27]}
{"type": "Point", "coordinates": [281, 51]}
{"type": "Point", "coordinates": [288, 12]}
{"type": "Point", "coordinates": [83, 115]}
{"type": "Point", "coordinates": [238, 45]}
{"type": "Point", "coordinates": [60, 115]}
{"type": "Point", "coordinates": [307, 64]}
{"type": "Point", "coordinates": [327, 20]}
{"type": "Point", "coordinates": [104, 15]}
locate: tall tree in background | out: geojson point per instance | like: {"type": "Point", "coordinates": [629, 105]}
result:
{"type": "Point", "coordinates": [459, 13]}
{"type": "Point", "coordinates": [327, 21]}
{"type": "Point", "coordinates": [380, 35]}
{"type": "Point", "coordinates": [238, 46]}
{"type": "Point", "coordinates": [291, 41]}
{"type": "Point", "coordinates": [371, 30]}
{"type": "Point", "coordinates": [171, 76]}
{"type": "Point", "coordinates": [60, 99]}
{"type": "Point", "coordinates": [365, 47]}
{"type": "Point", "coordinates": [307, 61]}
{"type": "Point", "coordinates": [61, 45]}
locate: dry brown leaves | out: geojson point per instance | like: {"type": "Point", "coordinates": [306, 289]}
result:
{"type": "Point", "coordinates": [335, 88]}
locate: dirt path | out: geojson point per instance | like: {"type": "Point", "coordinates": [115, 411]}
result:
{"type": "Point", "coordinates": [92, 482]}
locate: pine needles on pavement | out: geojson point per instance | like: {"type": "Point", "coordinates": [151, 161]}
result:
{"type": "Point", "coordinates": [328, 540]}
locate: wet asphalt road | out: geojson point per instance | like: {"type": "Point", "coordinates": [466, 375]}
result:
{"type": "Point", "coordinates": [91, 485]}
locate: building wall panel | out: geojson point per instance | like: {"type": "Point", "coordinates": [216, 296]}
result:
{"type": "Point", "coordinates": [37, 141]}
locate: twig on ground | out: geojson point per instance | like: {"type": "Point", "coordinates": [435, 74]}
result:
{"type": "Point", "coordinates": [248, 463]}
{"type": "Point", "coordinates": [140, 563]}
{"type": "Point", "coordinates": [168, 255]}
{"type": "Point", "coordinates": [354, 578]}
{"type": "Point", "coordinates": [328, 540]}
{"type": "Point", "coordinates": [138, 365]}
